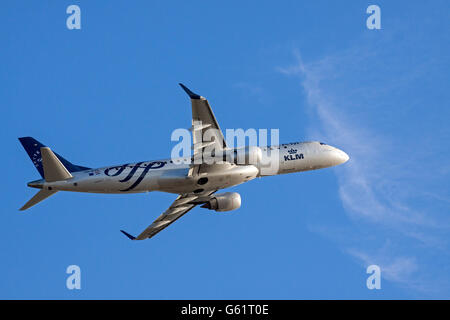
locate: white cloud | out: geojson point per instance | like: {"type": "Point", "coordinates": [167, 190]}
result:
{"type": "Point", "coordinates": [375, 188]}
{"type": "Point", "coordinates": [399, 269]}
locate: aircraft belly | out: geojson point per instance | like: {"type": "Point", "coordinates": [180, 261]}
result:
{"type": "Point", "coordinates": [180, 182]}
{"type": "Point", "coordinates": [226, 178]}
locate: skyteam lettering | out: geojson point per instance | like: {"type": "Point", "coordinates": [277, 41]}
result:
{"type": "Point", "coordinates": [151, 165]}
{"type": "Point", "coordinates": [134, 169]}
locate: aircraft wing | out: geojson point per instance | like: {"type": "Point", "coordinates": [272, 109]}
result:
{"type": "Point", "coordinates": [205, 129]}
{"type": "Point", "coordinates": [181, 205]}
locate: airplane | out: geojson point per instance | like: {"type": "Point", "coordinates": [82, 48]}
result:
{"type": "Point", "coordinates": [195, 182]}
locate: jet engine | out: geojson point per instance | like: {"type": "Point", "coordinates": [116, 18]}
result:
{"type": "Point", "coordinates": [224, 202]}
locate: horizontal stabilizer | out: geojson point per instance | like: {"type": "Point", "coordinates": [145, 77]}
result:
{"type": "Point", "coordinates": [38, 197]}
{"type": "Point", "coordinates": [54, 170]}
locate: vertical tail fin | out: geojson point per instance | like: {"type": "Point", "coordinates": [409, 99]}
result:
{"type": "Point", "coordinates": [33, 148]}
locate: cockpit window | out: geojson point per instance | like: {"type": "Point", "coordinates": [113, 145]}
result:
{"type": "Point", "coordinates": [323, 144]}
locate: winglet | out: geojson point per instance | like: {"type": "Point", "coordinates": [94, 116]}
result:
{"type": "Point", "coordinates": [189, 92]}
{"type": "Point", "coordinates": [128, 235]}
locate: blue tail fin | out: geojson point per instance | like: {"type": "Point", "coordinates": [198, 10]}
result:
{"type": "Point", "coordinates": [33, 148]}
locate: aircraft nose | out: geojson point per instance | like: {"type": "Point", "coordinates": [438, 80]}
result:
{"type": "Point", "coordinates": [340, 156]}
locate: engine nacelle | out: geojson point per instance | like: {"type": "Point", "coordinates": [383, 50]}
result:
{"type": "Point", "coordinates": [224, 202]}
{"type": "Point", "coordinates": [246, 156]}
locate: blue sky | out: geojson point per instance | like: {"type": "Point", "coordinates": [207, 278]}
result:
{"type": "Point", "coordinates": [108, 94]}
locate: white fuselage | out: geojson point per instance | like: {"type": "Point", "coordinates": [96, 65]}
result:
{"type": "Point", "coordinates": [170, 176]}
